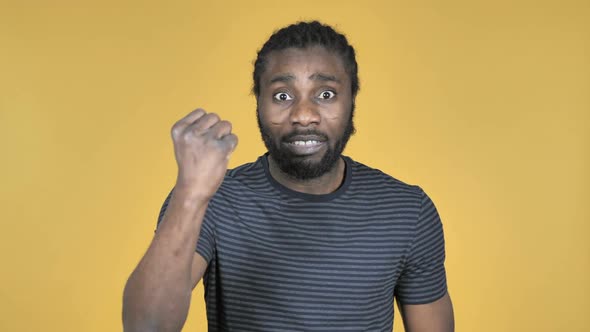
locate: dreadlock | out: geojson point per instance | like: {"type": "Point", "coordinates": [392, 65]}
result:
{"type": "Point", "coordinates": [304, 35]}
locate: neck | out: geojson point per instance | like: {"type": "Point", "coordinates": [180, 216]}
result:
{"type": "Point", "coordinates": [325, 184]}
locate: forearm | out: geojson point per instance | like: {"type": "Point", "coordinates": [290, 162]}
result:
{"type": "Point", "coordinates": [157, 294]}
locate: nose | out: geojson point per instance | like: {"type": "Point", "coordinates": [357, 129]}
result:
{"type": "Point", "coordinates": [305, 113]}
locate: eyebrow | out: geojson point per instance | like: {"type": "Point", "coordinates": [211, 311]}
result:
{"type": "Point", "coordinates": [324, 78]}
{"type": "Point", "coordinates": [282, 78]}
{"type": "Point", "coordinates": [286, 78]}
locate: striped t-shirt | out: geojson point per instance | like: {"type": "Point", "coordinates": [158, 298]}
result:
{"type": "Point", "coordinates": [281, 260]}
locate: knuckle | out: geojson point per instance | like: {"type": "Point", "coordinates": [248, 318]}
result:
{"type": "Point", "coordinates": [175, 131]}
{"type": "Point", "coordinates": [232, 140]}
{"type": "Point", "coordinates": [198, 113]}
{"type": "Point", "coordinates": [214, 117]}
{"type": "Point", "coordinates": [223, 127]}
{"type": "Point", "coordinates": [188, 136]}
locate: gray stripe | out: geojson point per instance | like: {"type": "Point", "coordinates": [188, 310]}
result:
{"type": "Point", "coordinates": [279, 261]}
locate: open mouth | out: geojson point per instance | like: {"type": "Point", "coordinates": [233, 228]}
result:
{"type": "Point", "coordinates": [305, 144]}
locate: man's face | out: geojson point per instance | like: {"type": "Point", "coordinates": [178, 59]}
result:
{"type": "Point", "coordinates": [305, 110]}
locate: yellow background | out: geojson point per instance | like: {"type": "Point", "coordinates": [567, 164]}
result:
{"type": "Point", "coordinates": [485, 104]}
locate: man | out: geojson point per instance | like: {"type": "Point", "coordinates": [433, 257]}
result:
{"type": "Point", "coordinates": [302, 239]}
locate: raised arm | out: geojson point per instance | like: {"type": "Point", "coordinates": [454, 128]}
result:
{"type": "Point", "coordinates": [158, 292]}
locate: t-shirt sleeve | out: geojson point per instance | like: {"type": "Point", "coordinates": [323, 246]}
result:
{"type": "Point", "coordinates": [423, 278]}
{"type": "Point", "coordinates": [206, 243]}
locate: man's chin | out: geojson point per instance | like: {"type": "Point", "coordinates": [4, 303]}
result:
{"type": "Point", "coordinates": [309, 160]}
{"type": "Point", "coordinates": [305, 167]}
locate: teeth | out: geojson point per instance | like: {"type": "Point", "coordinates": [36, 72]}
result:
{"type": "Point", "coordinates": [305, 142]}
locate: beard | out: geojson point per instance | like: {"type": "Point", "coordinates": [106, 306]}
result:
{"type": "Point", "coordinates": [299, 167]}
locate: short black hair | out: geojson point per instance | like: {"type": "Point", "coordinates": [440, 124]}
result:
{"type": "Point", "coordinates": [304, 35]}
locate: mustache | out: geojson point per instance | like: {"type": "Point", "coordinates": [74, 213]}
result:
{"type": "Point", "coordinates": [309, 132]}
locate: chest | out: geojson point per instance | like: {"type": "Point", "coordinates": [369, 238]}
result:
{"type": "Point", "coordinates": [323, 246]}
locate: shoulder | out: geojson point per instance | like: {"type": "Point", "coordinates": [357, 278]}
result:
{"type": "Point", "coordinates": [244, 173]}
{"type": "Point", "coordinates": [243, 181]}
{"type": "Point", "coordinates": [369, 179]}
{"type": "Point", "coordinates": [245, 170]}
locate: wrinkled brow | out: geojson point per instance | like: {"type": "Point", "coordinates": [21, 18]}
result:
{"type": "Point", "coordinates": [282, 78]}
{"type": "Point", "coordinates": [286, 78]}
{"type": "Point", "coordinates": [324, 78]}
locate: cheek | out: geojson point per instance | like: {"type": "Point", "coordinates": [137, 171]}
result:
{"type": "Point", "coordinates": [334, 118]}
{"type": "Point", "coordinates": [338, 117]}
{"type": "Point", "coordinates": [272, 114]}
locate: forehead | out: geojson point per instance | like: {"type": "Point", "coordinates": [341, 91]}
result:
{"type": "Point", "coordinates": [304, 62]}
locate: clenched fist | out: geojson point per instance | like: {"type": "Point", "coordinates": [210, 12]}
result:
{"type": "Point", "coordinates": [203, 144]}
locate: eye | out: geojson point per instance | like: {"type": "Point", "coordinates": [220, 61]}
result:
{"type": "Point", "coordinates": [282, 96]}
{"type": "Point", "coordinates": [327, 94]}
